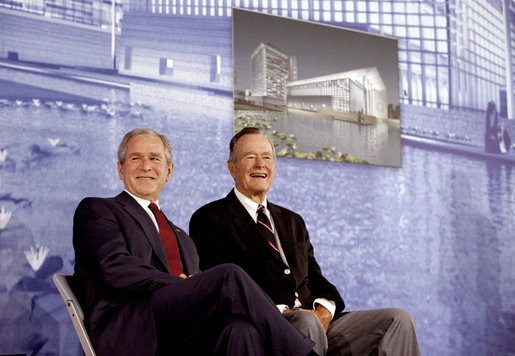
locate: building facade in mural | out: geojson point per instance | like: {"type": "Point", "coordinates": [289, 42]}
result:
{"type": "Point", "coordinates": [97, 13]}
{"type": "Point", "coordinates": [453, 55]}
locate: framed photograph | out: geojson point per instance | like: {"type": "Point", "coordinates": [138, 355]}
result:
{"type": "Point", "coordinates": [317, 91]}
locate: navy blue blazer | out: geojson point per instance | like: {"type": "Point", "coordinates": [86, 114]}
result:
{"type": "Point", "coordinates": [224, 232]}
{"type": "Point", "coordinates": [119, 262]}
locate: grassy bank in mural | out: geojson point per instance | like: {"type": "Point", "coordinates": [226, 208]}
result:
{"type": "Point", "coordinates": [286, 143]}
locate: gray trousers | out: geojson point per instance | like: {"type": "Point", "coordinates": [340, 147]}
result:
{"type": "Point", "coordinates": [371, 332]}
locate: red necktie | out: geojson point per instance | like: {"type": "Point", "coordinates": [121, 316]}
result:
{"type": "Point", "coordinates": [266, 227]}
{"type": "Point", "coordinates": [169, 240]}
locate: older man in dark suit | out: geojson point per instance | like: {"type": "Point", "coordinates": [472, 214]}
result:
{"type": "Point", "coordinates": [138, 279]}
{"type": "Point", "coordinates": [272, 244]}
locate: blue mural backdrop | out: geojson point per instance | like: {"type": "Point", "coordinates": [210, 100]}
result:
{"type": "Point", "coordinates": [435, 237]}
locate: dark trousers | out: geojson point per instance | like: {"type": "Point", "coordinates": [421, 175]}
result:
{"type": "Point", "coordinates": [222, 311]}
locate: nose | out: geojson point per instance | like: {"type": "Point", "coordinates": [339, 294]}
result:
{"type": "Point", "coordinates": [260, 162]}
{"type": "Point", "coordinates": [145, 164]}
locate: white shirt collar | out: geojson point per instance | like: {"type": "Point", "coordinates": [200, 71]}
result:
{"type": "Point", "coordinates": [250, 205]}
{"type": "Point", "coordinates": [144, 204]}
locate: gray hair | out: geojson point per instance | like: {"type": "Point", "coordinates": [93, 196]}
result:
{"type": "Point", "coordinates": [240, 134]}
{"type": "Point", "coordinates": [122, 149]}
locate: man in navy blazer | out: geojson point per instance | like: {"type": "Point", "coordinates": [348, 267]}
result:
{"type": "Point", "coordinates": [280, 258]}
{"type": "Point", "coordinates": [133, 305]}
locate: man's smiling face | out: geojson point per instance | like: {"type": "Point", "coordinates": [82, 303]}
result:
{"type": "Point", "coordinates": [253, 168]}
{"type": "Point", "coordinates": [145, 170]}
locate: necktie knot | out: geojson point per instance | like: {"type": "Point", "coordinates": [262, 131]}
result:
{"type": "Point", "coordinates": [153, 207]}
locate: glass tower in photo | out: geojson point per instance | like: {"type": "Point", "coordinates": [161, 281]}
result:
{"type": "Point", "coordinates": [270, 70]}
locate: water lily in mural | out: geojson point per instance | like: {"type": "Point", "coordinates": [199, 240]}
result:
{"type": "Point", "coordinates": [3, 155]}
{"type": "Point", "coordinates": [5, 216]}
{"type": "Point", "coordinates": [36, 256]}
{"type": "Point", "coordinates": [54, 141]}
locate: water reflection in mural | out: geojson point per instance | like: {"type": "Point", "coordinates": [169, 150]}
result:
{"type": "Point", "coordinates": [333, 140]}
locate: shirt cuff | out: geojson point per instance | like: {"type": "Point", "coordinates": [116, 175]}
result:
{"type": "Point", "coordinates": [328, 304]}
{"type": "Point", "coordinates": [282, 307]}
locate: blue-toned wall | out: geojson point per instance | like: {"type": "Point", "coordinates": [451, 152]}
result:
{"type": "Point", "coordinates": [435, 237]}
{"type": "Point", "coordinates": [39, 39]}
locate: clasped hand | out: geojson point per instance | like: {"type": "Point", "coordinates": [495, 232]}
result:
{"type": "Point", "coordinates": [323, 315]}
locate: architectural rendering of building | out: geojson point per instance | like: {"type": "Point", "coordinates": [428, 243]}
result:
{"type": "Point", "coordinates": [270, 71]}
{"type": "Point", "coordinates": [358, 91]}
{"type": "Point", "coordinates": [274, 83]}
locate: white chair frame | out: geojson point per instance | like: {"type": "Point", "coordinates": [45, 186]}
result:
{"type": "Point", "coordinates": [62, 282]}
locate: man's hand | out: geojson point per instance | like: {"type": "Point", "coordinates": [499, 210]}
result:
{"type": "Point", "coordinates": [323, 315]}
{"type": "Point", "coordinates": [288, 310]}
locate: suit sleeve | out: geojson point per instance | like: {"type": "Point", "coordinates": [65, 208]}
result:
{"type": "Point", "coordinates": [102, 253]}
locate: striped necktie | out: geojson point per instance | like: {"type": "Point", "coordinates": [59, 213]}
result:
{"type": "Point", "coordinates": [266, 227]}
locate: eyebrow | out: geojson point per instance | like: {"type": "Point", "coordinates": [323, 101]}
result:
{"type": "Point", "coordinates": [255, 153]}
{"type": "Point", "coordinates": [147, 154]}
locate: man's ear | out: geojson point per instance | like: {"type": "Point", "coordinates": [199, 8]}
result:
{"type": "Point", "coordinates": [230, 166]}
{"type": "Point", "coordinates": [120, 170]}
{"type": "Point", "coordinates": [170, 171]}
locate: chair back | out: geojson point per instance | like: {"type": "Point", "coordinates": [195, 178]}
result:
{"type": "Point", "coordinates": [63, 284]}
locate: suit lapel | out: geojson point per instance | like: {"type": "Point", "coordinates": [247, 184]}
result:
{"type": "Point", "coordinates": [254, 238]}
{"type": "Point", "coordinates": [136, 211]}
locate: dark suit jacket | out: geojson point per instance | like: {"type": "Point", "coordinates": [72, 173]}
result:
{"type": "Point", "coordinates": [119, 262]}
{"type": "Point", "coordinates": [223, 232]}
